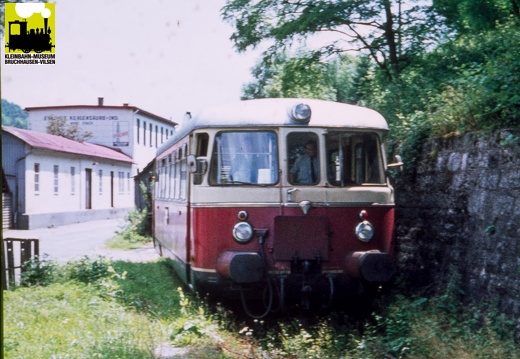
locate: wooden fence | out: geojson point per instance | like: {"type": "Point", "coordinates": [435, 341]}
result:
{"type": "Point", "coordinates": [15, 252]}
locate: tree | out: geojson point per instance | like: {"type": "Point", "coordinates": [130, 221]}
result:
{"type": "Point", "coordinates": [13, 115]}
{"type": "Point", "coordinates": [58, 126]}
{"type": "Point", "coordinates": [468, 16]}
{"type": "Point", "coordinates": [291, 76]}
{"type": "Point", "coordinates": [303, 75]}
{"type": "Point", "coordinates": [264, 72]}
{"type": "Point", "coordinates": [389, 31]}
{"type": "Point", "coordinates": [346, 72]}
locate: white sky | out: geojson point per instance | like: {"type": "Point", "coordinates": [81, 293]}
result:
{"type": "Point", "coordinates": [164, 56]}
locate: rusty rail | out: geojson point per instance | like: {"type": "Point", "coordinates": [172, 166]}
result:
{"type": "Point", "coordinates": [13, 261]}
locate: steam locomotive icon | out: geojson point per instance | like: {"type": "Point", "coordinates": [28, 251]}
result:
{"type": "Point", "coordinates": [37, 40]}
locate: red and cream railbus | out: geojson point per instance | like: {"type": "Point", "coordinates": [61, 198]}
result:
{"type": "Point", "coordinates": [289, 195]}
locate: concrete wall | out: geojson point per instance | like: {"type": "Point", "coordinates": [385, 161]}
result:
{"type": "Point", "coordinates": [49, 220]}
{"type": "Point", "coordinates": [458, 219]}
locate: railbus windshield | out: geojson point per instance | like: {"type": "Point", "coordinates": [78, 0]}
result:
{"type": "Point", "coordinates": [240, 157]}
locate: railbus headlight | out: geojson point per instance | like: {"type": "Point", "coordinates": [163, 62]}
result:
{"type": "Point", "coordinates": [301, 113]}
{"type": "Point", "coordinates": [242, 232]}
{"type": "Point", "coordinates": [364, 231]}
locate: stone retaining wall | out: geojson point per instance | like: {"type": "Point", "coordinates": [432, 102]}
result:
{"type": "Point", "coordinates": [458, 219]}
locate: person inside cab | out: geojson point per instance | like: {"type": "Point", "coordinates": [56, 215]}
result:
{"type": "Point", "coordinates": [306, 169]}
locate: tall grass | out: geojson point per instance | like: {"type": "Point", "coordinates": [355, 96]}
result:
{"type": "Point", "coordinates": [93, 308]}
{"type": "Point", "coordinates": [70, 320]}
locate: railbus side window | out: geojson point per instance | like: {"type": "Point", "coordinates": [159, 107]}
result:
{"type": "Point", "coordinates": [244, 158]}
{"type": "Point", "coordinates": [177, 182]}
{"type": "Point", "coordinates": [170, 176]}
{"type": "Point", "coordinates": [184, 172]}
{"type": "Point", "coordinates": [173, 176]}
{"type": "Point", "coordinates": [163, 178]}
{"type": "Point", "coordinates": [202, 143]}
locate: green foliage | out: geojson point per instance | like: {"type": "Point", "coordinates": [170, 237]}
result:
{"type": "Point", "coordinates": [324, 338]}
{"type": "Point", "coordinates": [491, 230]}
{"type": "Point", "coordinates": [13, 115]}
{"type": "Point", "coordinates": [38, 271]}
{"type": "Point", "coordinates": [468, 16]}
{"type": "Point", "coordinates": [70, 320]}
{"type": "Point", "coordinates": [97, 272]}
{"type": "Point", "coordinates": [344, 72]}
{"type": "Point", "coordinates": [510, 140]}
{"type": "Point", "coordinates": [390, 34]}
{"type": "Point", "coordinates": [485, 94]}
{"type": "Point", "coordinates": [304, 75]}
{"type": "Point", "coordinates": [73, 318]}
{"type": "Point", "coordinates": [135, 234]}
{"type": "Point", "coordinates": [195, 325]}
{"type": "Point", "coordinates": [500, 76]}
{"type": "Point", "coordinates": [437, 70]}
{"type": "Point", "coordinates": [469, 84]}
{"type": "Point", "coordinates": [149, 288]}
{"type": "Point", "coordinates": [397, 324]}
{"type": "Point", "coordinates": [88, 270]}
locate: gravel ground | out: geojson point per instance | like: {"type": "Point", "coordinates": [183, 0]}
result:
{"type": "Point", "coordinates": [74, 241]}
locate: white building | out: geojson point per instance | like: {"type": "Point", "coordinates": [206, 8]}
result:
{"type": "Point", "coordinates": [55, 181]}
{"type": "Point", "coordinates": [135, 132]}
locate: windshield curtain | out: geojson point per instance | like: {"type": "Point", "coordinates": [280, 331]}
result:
{"type": "Point", "coordinates": [353, 159]}
{"type": "Point", "coordinates": [240, 158]}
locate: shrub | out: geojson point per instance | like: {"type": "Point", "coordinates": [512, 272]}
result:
{"type": "Point", "coordinates": [135, 233]}
{"type": "Point", "coordinates": [88, 270]}
{"type": "Point", "coordinates": [38, 271]}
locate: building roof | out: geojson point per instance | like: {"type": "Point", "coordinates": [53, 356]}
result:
{"type": "Point", "coordinates": [49, 142]}
{"type": "Point", "coordinates": [98, 107]}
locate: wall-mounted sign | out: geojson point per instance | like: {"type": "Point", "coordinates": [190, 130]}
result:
{"type": "Point", "coordinates": [120, 134]}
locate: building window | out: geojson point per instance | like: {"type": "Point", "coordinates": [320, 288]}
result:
{"type": "Point", "coordinates": [138, 129]}
{"type": "Point", "coordinates": [56, 178]}
{"type": "Point", "coordinates": [128, 182]}
{"type": "Point", "coordinates": [162, 135]}
{"type": "Point", "coordinates": [37, 178]}
{"type": "Point", "coordinates": [73, 180]}
{"type": "Point", "coordinates": [121, 184]}
{"type": "Point", "coordinates": [151, 135]}
{"type": "Point", "coordinates": [144, 133]}
{"type": "Point", "coordinates": [100, 173]}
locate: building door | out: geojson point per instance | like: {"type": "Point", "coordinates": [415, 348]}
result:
{"type": "Point", "coordinates": [112, 189]}
{"type": "Point", "coordinates": [88, 188]}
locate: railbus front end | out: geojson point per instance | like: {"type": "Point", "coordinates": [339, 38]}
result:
{"type": "Point", "coordinates": [288, 198]}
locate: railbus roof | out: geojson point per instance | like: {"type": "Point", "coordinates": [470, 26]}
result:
{"type": "Point", "coordinates": [277, 112]}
